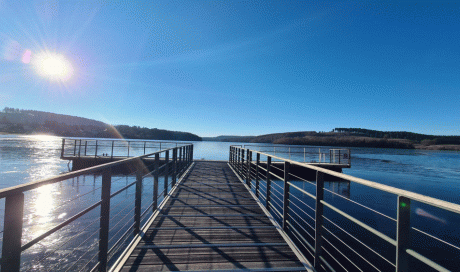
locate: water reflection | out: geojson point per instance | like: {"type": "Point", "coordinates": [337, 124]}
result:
{"type": "Point", "coordinates": [44, 204]}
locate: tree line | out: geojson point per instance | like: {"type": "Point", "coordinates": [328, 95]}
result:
{"type": "Point", "coordinates": [37, 122]}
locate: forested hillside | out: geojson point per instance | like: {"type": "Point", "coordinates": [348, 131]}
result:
{"type": "Point", "coordinates": [352, 137]}
{"type": "Point", "coordinates": [39, 122]}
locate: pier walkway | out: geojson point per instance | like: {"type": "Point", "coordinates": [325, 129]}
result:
{"type": "Point", "coordinates": [211, 222]}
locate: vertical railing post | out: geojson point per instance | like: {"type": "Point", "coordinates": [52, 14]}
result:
{"type": "Point", "coordinates": [237, 162]}
{"type": "Point", "coordinates": [191, 154]}
{"type": "Point", "coordinates": [287, 165]}
{"type": "Point", "coordinates": [166, 173]}
{"type": "Point", "coordinates": [128, 148]}
{"type": "Point", "coordinates": [403, 234]}
{"type": "Point", "coordinates": [319, 218]}
{"type": "Point", "coordinates": [12, 232]}
{"type": "Point", "coordinates": [181, 168]}
{"type": "Point", "coordinates": [339, 156]}
{"type": "Point", "coordinates": [75, 148]}
{"type": "Point", "coordinates": [248, 173]}
{"type": "Point", "coordinates": [104, 220]}
{"type": "Point", "coordinates": [269, 185]}
{"type": "Point", "coordinates": [111, 154]}
{"type": "Point", "coordinates": [257, 174]}
{"type": "Point", "coordinates": [79, 148]}
{"type": "Point", "coordinates": [174, 177]}
{"type": "Point", "coordinates": [95, 152]}
{"type": "Point", "coordinates": [156, 166]}
{"type": "Point", "coordinates": [144, 147]}
{"type": "Point", "coordinates": [86, 146]}
{"type": "Point", "coordinates": [62, 149]}
{"type": "Point", "coordinates": [242, 163]}
{"type": "Point", "coordinates": [137, 202]}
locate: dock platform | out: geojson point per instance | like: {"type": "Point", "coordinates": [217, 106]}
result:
{"type": "Point", "coordinates": [211, 222]}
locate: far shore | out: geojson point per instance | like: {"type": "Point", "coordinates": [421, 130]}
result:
{"type": "Point", "coordinates": [447, 147]}
{"type": "Point", "coordinates": [438, 147]}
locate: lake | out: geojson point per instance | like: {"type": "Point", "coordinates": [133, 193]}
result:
{"type": "Point", "coordinates": [30, 158]}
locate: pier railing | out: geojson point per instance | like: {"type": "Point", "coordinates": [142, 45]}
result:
{"type": "Point", "coordinates": [112, 148]}
{"type": "Point", "coordinates": [172, 166]}
{"type": "Point", "coordinates": [340, 156]}
{"type": "Point", "coordinates": [337, 233]}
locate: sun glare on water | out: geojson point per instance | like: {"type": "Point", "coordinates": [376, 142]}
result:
{"type": "Point", "coordinates": [53, 66]}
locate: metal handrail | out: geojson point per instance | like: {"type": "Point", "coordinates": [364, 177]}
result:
{"type": "Point", "coordinates": [335, 154]}
{"type": "Point", "coordinates": [181, 159]}
{"type": "Point", "coordinates": [414, 196]}
{"type": "Point", "coordinates": [79, 147]}
{"type": "Point", "coordinates": [242, 162]}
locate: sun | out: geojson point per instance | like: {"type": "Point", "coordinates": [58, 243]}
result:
{"type": "Point", "coordinates": [53, 66]}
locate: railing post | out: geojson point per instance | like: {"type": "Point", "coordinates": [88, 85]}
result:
{"type": "Point", "coordinates": [174, 177]}
{"type": "Point", "coordinates": [287, 165]}
{"type": "Point", "coordinates": [137, 202]}
{"type": "Point", "coordinates": [403, 234]}
{"type": "Point", "coordinates": [128, 148]}
{"type": "Point", "coordinates": [144, 147]}
{"type": "Point", "coordinates": [79, 148]}
{"type": "Point", "coordinates": [248, 174]}
{"type": "Point", "coordinates": [339, 156]}
{"type": "Point", "coordinates": [75, 148]}
{"type": "Point", "coordinates": [269, 185]}
{"type": "Point", "coordinates": [62, 149]}
{"type": "Point", "coordinates": [237, 154]}
{"type": "Point", "coordinates": [104, 220]}
{"type": "Point", "coordinates": [86, 145]}
{"type": "Point", "coordinates": [319, 218]}
{"type": "Point", "coordinates": [191, 154]}
{"type": "Point", "coordinates": [181, 167]}
{"type": "Point", "coordinates": [12, 232]}
{"type": "Point", "coordinates": [156, 166]}
{"type": "Point", "coordinates": [111, 154]}
{"type": "Point", "coordinates": [242, 163]}
{"type": "Point", "coordinates": [166, 173]}
{"type": "Point", "coordinates": [257, 174]}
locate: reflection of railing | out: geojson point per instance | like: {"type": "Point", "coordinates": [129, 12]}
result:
{"type": "Point", "coordinates": [112, 148]}
{"type": "Point", "coordinates": [308, 154]}
{"type": "Point", "coordinates": [334, 239]}
{"type": "Point", "coordinates": [167, 167]}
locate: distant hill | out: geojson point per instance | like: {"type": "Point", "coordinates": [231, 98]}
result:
{"type": "Point", "coordinates": [228, 138]}
{"type": "Point", "coordinates": [352, 137]}
{"type": "Point", "coordinates": [29, 117]}
{"type": "Point", "coordinates": [39, 122]}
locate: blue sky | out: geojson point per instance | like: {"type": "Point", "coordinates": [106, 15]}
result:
{"type": "Point", "coordinates": [240, 67]}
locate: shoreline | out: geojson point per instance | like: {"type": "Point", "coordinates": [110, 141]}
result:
{"type": "Point", "coordinates": [438, 147]}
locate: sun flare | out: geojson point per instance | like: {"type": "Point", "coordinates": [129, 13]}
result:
{"type": "Point", "coordinates": [53, 66]}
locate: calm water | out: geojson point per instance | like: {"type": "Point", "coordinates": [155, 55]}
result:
{"type": "Point", "coordinates": [30, 158]}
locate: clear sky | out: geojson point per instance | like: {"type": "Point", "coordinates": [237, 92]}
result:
{"type": "Point", "coordinates": [238, 67]}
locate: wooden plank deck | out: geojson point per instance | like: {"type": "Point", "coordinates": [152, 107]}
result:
{"type": "Point", "coordinates": [211, 222]}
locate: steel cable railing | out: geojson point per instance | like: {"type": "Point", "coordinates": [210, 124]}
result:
{"type": "Point", "coordinates": [286, 201]}
{"type": "Point", "coordinates": [172, 168]}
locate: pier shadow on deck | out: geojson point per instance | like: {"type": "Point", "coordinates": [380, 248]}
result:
{"type": "Point", "coordinates": [211, 222]}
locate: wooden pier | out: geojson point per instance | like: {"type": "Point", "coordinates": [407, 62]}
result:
{"type": "Point", "coordinates": [211, 222]}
